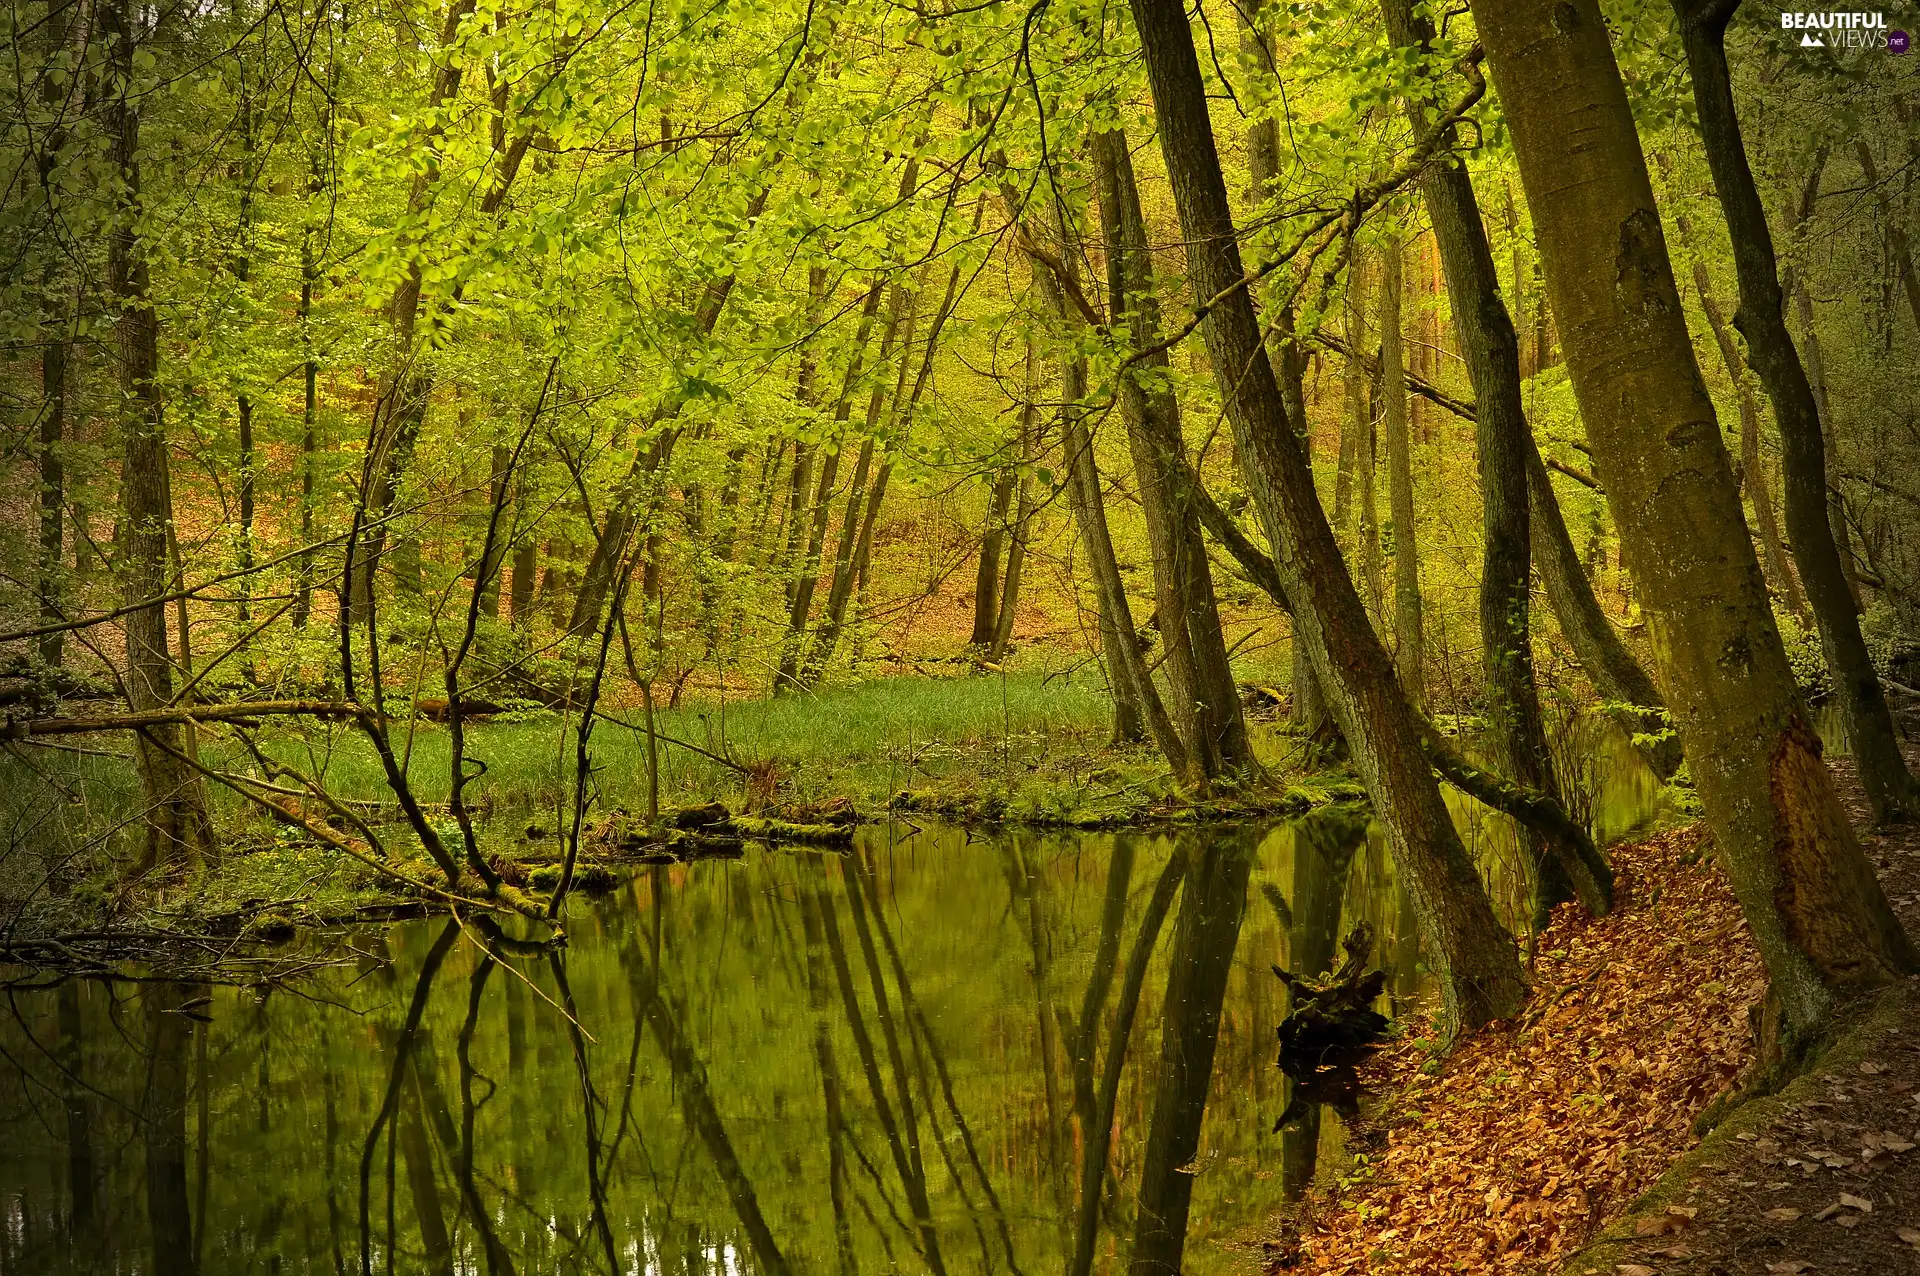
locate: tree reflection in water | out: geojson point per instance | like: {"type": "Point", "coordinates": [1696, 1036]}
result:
{"type": "Point", "coordinates": [929, 1054]}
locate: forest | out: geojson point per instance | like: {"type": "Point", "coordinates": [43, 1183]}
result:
{"type": "Point", "coordinates": [765, 636]}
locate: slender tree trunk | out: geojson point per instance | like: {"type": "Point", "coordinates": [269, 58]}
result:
{"type": "Point", "coordinates": [1138, 709]}
{"type": "Point", "coordinates": [1753, 473]}
{"type": "Point", "coordinates": [1810, 895]}
{"type": "Point", "coordinates": [176, 815]}
{"type": "Point", "coordinates": [1366, 458]}
{"type": "Point", "coordinates": [309, 431]}
{"type": "Point", "coordinates": [986, 583]}
{"type": "Point", "coordinates": [526, 554]}
{"type": "Point", "coordinates": [1492, 352]}
{"type": "Point", "coordinates": [1206, 708]}
{"type": "Point", "coordinates": [1409, 657]}
{"type": "Point", "coordinates": [1478, 972]}
{"type": "Point", "coordinates": [53, 492]}
{"type": "Point", "coordinates": [1897, 241]}
{"type": "Point", "coordinates": [1355, 426]}
{"type": "Point", "coordinates": [1890, 787]}
{"type": "Point", "coordinates": [1019, 536]}
{"type": "Point", "coordinates": [806, 573]}
{"type": "Point", "coordinates": [487, 576]}
{"type": "Point", "coordinates": [1309, 714]}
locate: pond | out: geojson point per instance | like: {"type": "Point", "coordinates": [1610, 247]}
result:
{"type": "Point", "coordinates": [897, 1058]}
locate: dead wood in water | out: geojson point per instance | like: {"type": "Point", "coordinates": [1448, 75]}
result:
{"type": "Point", "coordinates": [1331, 1030]}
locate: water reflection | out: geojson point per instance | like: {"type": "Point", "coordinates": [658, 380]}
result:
{"type": "Point", "coordinates": [938, 1052]}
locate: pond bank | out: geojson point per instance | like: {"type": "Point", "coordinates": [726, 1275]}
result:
{"type": "Point", "coordinates": [1823, 1177]}
{"type": "Point", "coordinates": [1565, 1142]}
{"type": "Point", "coordinates": [1507, 1153]}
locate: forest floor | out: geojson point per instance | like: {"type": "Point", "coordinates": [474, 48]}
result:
{"type": "Point", "coordinates": [1516, 1150]}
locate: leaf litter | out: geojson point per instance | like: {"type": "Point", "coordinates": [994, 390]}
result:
{"type": "Point", "coordinates": [1514, 1149]}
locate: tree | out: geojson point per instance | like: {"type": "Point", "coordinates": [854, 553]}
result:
{"type": "Point", "coordinates": [1809, 893]}
{"type": "Point", "coordinates": [1479, 973]}
{"type": "Point", "coordinates": [176, 816]}
{"type": "Point", "coordinates": [1206, 703]}
{"type": "Point", "coordinates": [1761, 318]}
{"type": "Point", "coordinates": [1492, 352]}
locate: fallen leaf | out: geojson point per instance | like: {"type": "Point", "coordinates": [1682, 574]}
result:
{"type": "Point", "coordinates": [1827, 1213]}
{"type": "Point", "coordinates": [1785, 1214]}
{"type": "Point", "coordinates": [1860, 1203]}
{"type": "Point", "coordinates": [1911, 1235]}
{"type": "Point", "coordinates": [1847, 1220]}
{"type": "Point", "coordinates": [1791, 1267]}
{"type": "Point", "coordinates": [1871, 1068]}
{"type": "Point", "coordinates": [1635, 1269]}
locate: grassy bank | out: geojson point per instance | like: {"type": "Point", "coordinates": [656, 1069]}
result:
{"type": "Point", "coordinates": [1028, 746]}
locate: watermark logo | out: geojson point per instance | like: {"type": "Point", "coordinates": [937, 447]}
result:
{"type": "Point", "coordinates": [1844, 30]}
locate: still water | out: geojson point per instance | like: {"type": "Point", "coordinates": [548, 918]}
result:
{"type": "Point", "coordinates": [900, 1058]}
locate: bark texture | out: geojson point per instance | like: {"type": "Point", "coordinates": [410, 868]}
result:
{"type": "Point", "coordinates": [1409, 643]}
{"type": "Point", "coordinates": [1809, 893]}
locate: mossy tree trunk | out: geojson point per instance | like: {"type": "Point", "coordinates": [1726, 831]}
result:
{"type": "Point", "coordinates": [176, 811]}
{"type": "Point", "coordinates": [1761, 319]}
{"type": "Point", "coordinates": [1809, 893]}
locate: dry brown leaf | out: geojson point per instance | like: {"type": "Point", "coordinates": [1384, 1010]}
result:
{"type": "Point", "coordinates": [1790, 1267]}
{"type": "Point", "coordinates": [1635, 1269]}
{"type": "Point", "coordinates": [1785, 1214]}
{"type": "Point", "coordinates": [1911, 1235]}
{"type": "Point", "coordinates": [1860, 1203]}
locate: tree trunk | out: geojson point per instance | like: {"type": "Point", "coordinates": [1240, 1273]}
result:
{"type": "Point", "coordinates": [1810, 896]}
{"type": "Point", "coordinates": [1492, 352]}
{"type": "Point", "coordinates": [1901, 251]}
{"type": "Point", "coordinates": [1478, 972]}
{"type": "Point", "coordinates": [53, 492]}
{"type": "Point", "coordinates": [1409, 657]}
{"type": "Point", "coordinates": [986, 581]}
{"type": "Point", "coordinates": [526, 555]}
{"type": "Point", "coordinates": [1007, 610]}
{"type": "Point", "coordinates": [1890, 787]}
{"type": "Point", "coordinates": [1206, 708]}
{"type": "Point", "coordinates": [176, 814]}
{"type": "Point", "coordinates": [1308, 711]}
{"type": "Point", "coordinates": [1355, 427]}
{"type": "Point", "coordinates": [487, 574]}
{"type": "Point", "coordinates": [1753, 473]}
{"type": "Point", "coordinates": [1137, 708]}
{"type": "Point", "coordinates": [805, 581]}
{"type": "Point", "coordinates": [1627, 693]}
{"type": "Point", "coordinates": [309, 426]}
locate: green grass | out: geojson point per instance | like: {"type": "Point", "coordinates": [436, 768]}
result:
{"type": "Point", "coordinates": [863, 742]}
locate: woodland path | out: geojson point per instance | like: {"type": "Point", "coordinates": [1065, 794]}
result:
{"type": "Point", "coordinates": [1822, 1178]}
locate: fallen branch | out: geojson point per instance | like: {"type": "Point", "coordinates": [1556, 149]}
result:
{"type": "Point", "coordinates": [243, 713]}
